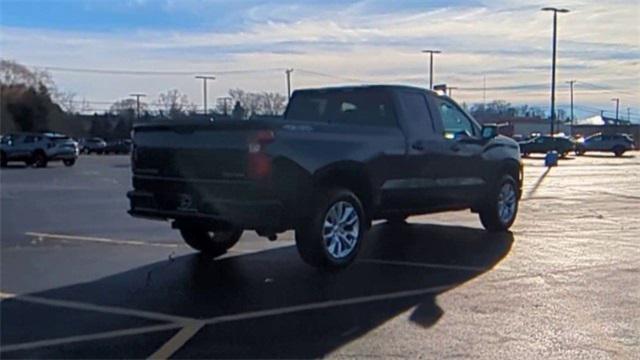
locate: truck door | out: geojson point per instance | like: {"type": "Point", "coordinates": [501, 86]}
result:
{"type": "Point", "coordinates": [458, 162]}
{"type": "Point", "coordinates": [412, 187]}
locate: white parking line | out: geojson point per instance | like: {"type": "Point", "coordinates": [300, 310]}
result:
{"type": "Point", "coordinates": [98, 308]}
{"type": "Point", "coordinates": [80, 338]}
{"type": "Point", "coordinates": [190, 325]}
{"type": "Point", "coordinates": [177, 341]}
{"type": "Point", "coordinates": [99, 240]}
{"type": "Point", "coordinates": [424, 265]}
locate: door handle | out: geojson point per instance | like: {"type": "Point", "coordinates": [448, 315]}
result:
{"type": "Point", "coordinates": [418, 145]}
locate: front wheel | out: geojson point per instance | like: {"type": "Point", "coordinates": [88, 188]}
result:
{"type": "Point", "coordinates": [210, 243]}
{"type": "Point", "coordinates": [501, 208]}
{"type": "Point", "coordinates": [3, 159]}
{"type": "Point", "coordinates": [331, 237]}
{"type": "Point", "coordinates": [618, 151]}
{"type": "Point", "coordinates": [69, 162]}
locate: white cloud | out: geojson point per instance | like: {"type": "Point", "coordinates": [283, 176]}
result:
{"type": "Point", "coordinates": [510, 43]}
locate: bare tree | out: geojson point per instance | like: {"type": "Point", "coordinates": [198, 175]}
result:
{"type": "Point", "coordinates": [127, 107]}
{"type": "Point", "coordinates": [13, 73]}
{"type": "Point", "coordinates": [258, 103]}
{"type": "Point", "coordinates": [273, 103]}
{"type": "Point", "coordinates": [174, 103]}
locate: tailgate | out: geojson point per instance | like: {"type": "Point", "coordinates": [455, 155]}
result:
{"type": "Point", "coordinates": [194, 151]}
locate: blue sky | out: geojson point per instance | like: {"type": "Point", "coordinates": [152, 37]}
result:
{"type": "Point", "coordinates": [505, 41]}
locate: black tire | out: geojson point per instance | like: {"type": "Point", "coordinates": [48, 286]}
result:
{"type": "Point", "coordinates": [39, 159]}
{"type": "Point", "coordinates": [3, 159]}
{"type": "Point", "coordinates": [397, 220]}
{"type": "Point", "coordinates": [208, 242]}
{"type": "Point", "coordinates": [69, 162]}
{"type": "Point", "coordinates": [310, 241]}
{"type": "Point", "coordinates": [490, 214]}
{"type": "Point", "coordinates": [579, 152]}
{"type": "Point", "coordinates": [618, 151]}
{"type": "Point", "coordinates": [525, 155]}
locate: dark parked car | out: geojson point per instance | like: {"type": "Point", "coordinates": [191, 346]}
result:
{"type": "Point", "coordinates": [117, 147]}
{"type": "Point", "coordinates": [92, 145]}
{"type": "Point", "coordinates": [340, 158]}
{"type": "Point", "coordinates": [618, 144]}
{"type": "Point", "coordinates": [544, 144]}
{"type": "Point", "coordinates": [38, 149]}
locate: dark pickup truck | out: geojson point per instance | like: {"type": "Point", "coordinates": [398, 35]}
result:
{"type": "Point", "coordinates": [339, 159]}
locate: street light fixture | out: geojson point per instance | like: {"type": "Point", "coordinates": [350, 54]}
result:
{"type": "Point", "coordinates": [553, 66]}
{"type": "Point", "coordinates": [204, 93]}
{"type": "Point", "coordinates": [138, 96]}
{"type": "Point", "coordinates": [431, 52]}
{"type": "Point", "coordinates": [617, 100]}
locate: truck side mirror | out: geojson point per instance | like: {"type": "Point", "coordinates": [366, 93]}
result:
{"type": "Point", "coordinates": [489, 131]}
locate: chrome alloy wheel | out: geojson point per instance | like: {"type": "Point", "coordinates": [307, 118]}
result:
{"type": "Point", "coordinates": [341, 229]}
{"type": "Point", "coordinates": [507, 202]}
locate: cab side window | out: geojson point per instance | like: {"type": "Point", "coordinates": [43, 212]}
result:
{"type": "Point", "coordinates": [454, 121]}
{"type": "Point", "coordinates": [416, 107]}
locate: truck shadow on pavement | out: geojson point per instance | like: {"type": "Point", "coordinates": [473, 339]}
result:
{"type": "Point", "coordinates": [286, 309]}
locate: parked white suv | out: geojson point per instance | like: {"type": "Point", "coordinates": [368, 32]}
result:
{"type": "Point", "coordinates": [38, 149]}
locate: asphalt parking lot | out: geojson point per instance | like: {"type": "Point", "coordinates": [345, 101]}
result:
{"type": "Point", "coordinates": [81, 279]}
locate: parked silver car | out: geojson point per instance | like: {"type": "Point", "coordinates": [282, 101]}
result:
{"type": "Point", "coordinates": [37, 149]}
{"type": "Point", "coordinates": [615, 143]}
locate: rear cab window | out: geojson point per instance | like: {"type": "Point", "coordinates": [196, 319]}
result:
{"type": "Point", "coordinates": [359, 107]}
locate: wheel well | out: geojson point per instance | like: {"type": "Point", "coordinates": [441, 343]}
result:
{"type": "Point", "coordinates": [512, 168]}
{"type": "Point", "coordinates": [352, 178]}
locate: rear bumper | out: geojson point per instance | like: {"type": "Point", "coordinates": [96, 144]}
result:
{"type": "Point", "coordinates": [180, 200]}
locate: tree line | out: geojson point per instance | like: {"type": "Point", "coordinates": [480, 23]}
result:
{"type": "Point", "coordinates": [31, 101]}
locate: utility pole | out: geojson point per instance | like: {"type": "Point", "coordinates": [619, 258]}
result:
{"type": "Point", "coordinates": [288, 72]}
{"type": "Point", "coordinates": [571, 85]}
{"type": "Point", "coordinates": [553, 62]}
{"type": "Point", "coordinates": [225, 100]}
{"type": "Point", "coordinates": [484, 90]}
{"type": "Point", "coordinates": [451, 88]}
{"type": "Point", "coordinates": [204, 88]}
{"type": "Point", "coordinates": [431, 52]}
{"type": "Point", "coordinates": [138, 96]}
{"type": "Point", "coordinates": [617, 100]}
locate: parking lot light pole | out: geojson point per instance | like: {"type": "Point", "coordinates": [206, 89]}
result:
{"type": "Point", "coordinates": [288, 73]}
{"type": "Point", "coordinates": [571, 85]}
{"type": "Point", "coordinates": [431, 52]}
{"type": "Point", "coordinates": [138, 96]}
{"type": "Point", "coordinates": [204, 88]}
{"type": "Point", "coordinates": [553, 62]}
{"type": "Point", "coordinates": [617, 100]}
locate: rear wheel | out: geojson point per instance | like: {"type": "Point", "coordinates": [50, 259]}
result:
{"type": "Point", "coordinates": [501, 208]}
{"type": "Point", "coordinates": [69, 162]}
{"type": "Point", "coordinates": [618, 151]}
{"type": "Point", "coordinates": [331, 237]}
{"type": "Point", "coordinates": [580, 151]}
{"type": "Point", "coordinates": [39, 159]}
{"type": "Point", "coordinates": [209, 242]}
{"type": "Point", "coordinates": [3, 159]}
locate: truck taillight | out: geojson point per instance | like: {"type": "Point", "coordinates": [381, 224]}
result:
{"type": "Point", "coordinates": [259, 163]}
{"type": "Point", "coordinates": [258, 140]}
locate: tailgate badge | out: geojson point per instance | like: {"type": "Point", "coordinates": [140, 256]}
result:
{"type": "Point", "coordinates": [185, 202]}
